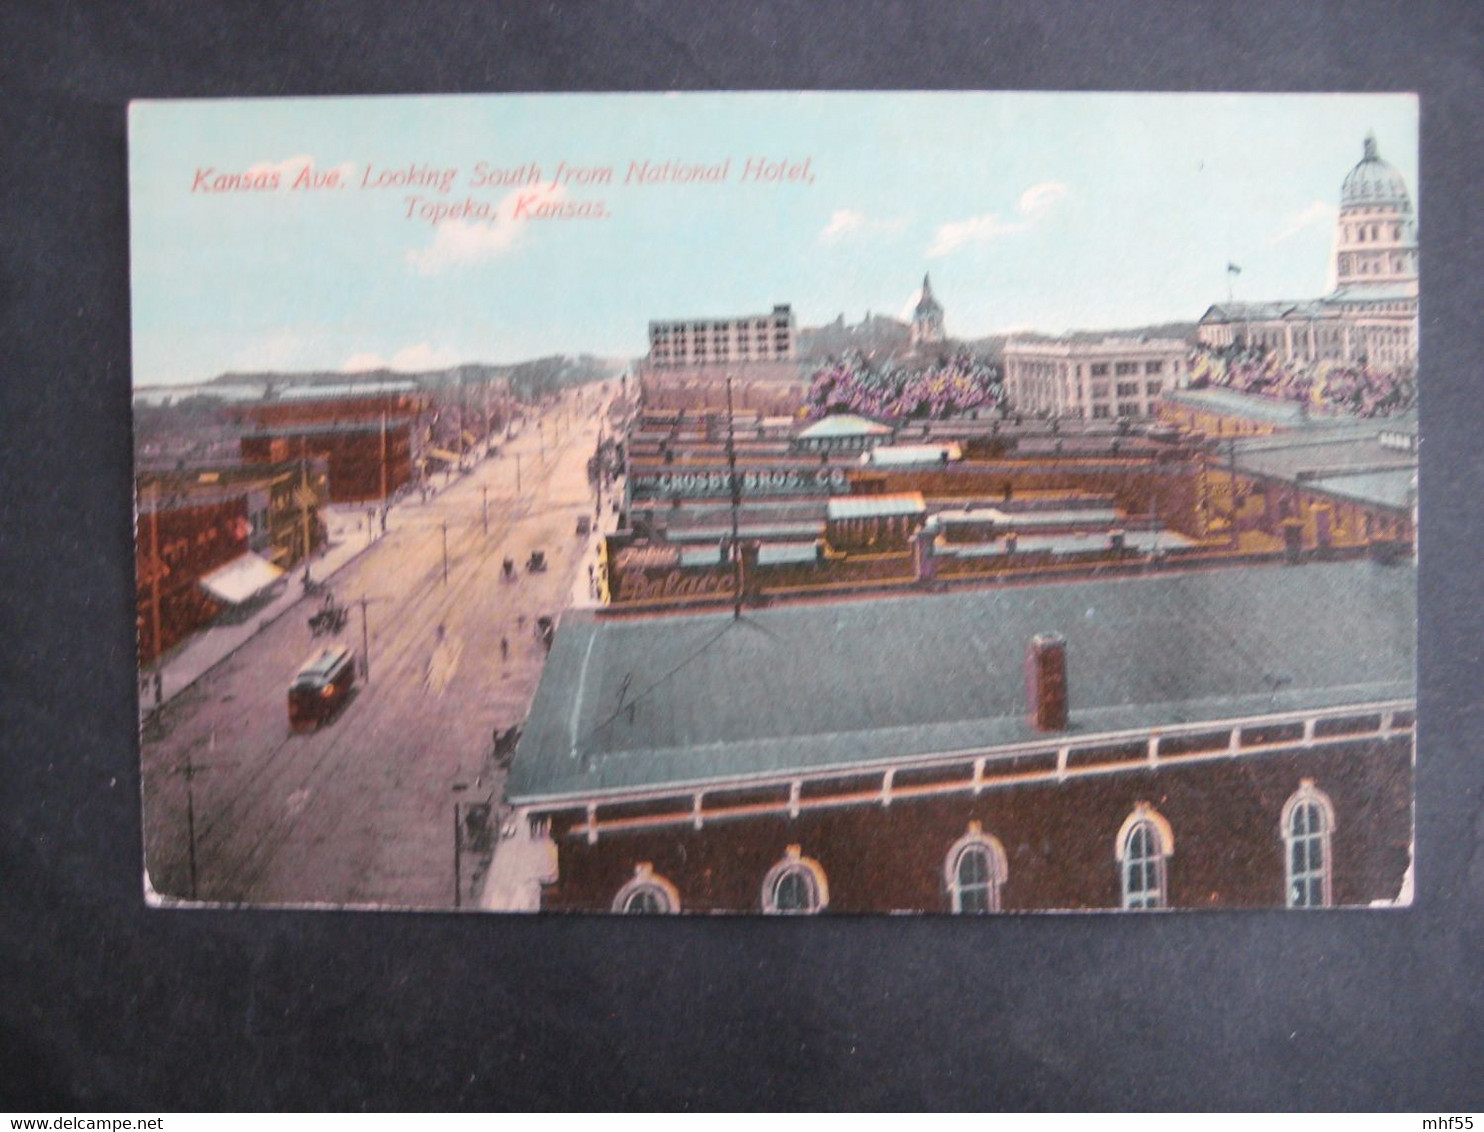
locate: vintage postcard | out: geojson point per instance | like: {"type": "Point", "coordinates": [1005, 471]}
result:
{"type": "Point", "coordinates": [777, 503]}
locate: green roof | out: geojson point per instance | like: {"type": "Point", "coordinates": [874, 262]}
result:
{"type": "Point", "coordinates": [645, 703]}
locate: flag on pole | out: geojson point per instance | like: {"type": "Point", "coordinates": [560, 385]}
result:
{"type": "Point", "coordinates": [1233, 269]}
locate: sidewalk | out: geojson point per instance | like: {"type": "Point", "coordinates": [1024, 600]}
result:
{"type": "Point", "coordinates": [204, 650]}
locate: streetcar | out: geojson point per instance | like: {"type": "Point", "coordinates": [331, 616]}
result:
{"type": "Point", "coordinates": [321, 687]}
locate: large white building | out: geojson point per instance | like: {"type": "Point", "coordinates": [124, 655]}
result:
{"type": "Point", "coordinates": [1117, 377]}
{"type": "Point", "coordinates": [1371, 315]}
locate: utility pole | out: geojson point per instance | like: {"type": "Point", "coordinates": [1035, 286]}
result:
{"type": "Point", "coordinates": [517, 473]}
{"type": "Point", "coordinates": [365, 644]}
{"type": "Point", "coordinates": [484, 495]}
{"type": "Point", "coordinates": [189, 772]}
{"type": "Point", "coordinates": [154, 588]}
{"type": "Point", "coordinates": [600, 471]}
{"type": "Point", "coordinates": [458, 849]}
{"type": "Point", "coordinates": [1232, 475]}
{"type": "Point", "coordinates": [383, 459]}
{"type": "Point", "coordinates": [736, 486]}
{"type": "Point", "coordinates": [445, 552]}
{"type": "Point", "coordinates": [304, 507]}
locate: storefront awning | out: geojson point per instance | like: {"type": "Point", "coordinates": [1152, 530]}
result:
{"type": "Point", "coordinates": [241, 579]}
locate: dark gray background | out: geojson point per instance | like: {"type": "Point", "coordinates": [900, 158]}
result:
{"type": "Point", "coordinates": [107, 1005]}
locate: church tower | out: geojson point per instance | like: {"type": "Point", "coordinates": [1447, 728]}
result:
{"type": "Point", "coordinates": [1376, 235]}
{"type": "Point", "coordinates": [927, 320]}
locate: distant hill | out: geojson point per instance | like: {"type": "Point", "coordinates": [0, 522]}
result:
{"type": "Point", "coordinates": [527, 379]}
{"type": "Point", "coordinates": [875, 334]}
{"type": "Point", "coordinates": [886, 337]}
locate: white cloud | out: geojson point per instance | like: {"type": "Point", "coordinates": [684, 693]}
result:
{"type": "Point", "coordinates": [1035, 204]}
{"type": "Point", "coordinates": [850, 222]}
{"type": "Point", "coordinates": [411, 359]}
{"type": "Point", "coordinates": [975, 230]}
{"type": "Point", "coordinates": [491, 232]}
{"type": "Point", "coordinates": [1038, 200]}
{"type": "Point", "coordinates": [842, 222]}
{"type": "Point", "coordinates": [1319, 212]}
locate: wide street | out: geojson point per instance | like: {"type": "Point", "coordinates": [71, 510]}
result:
{"type": "Point", "coordinates": [362, 810]}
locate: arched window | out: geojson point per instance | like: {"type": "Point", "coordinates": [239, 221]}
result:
{"type": "Point", "coordinates": [647, 894]}
{"type": "Point", "coordinates": [974, 871]}
{"type": "Point", "coordinates": [1145, 844]}
{"type": "Point", "coordinates": [1308, 821]}
{"type": "Point", "coordinates": [795, 886]}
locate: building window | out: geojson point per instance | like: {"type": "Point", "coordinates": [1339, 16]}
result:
{"type": "Point", "coordinates": [1308, 821]}
{"type": "Point", "coordinates": [1099, 369]}
{"type": "Point", "coordinates": [1154, 367]}
{"type": "Point", "coordinates": [974, 871]}
{"type": "Point", "coordinates": [647, 894]}
{"type": "Point", "coordinates": [1145, 844]}
{"type": "Point", "coordinates": [1123, 369]}
{"type": "Point", "coordinates": [795, 886]}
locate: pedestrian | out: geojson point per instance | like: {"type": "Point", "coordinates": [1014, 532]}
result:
{"type": "Point", "coordinates": [504, 649]}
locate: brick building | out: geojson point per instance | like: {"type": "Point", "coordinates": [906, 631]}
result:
{"type": "Point", "coordinates": [1227, 738]}
{"type": "Point", "coordinates": [179, 542]}
{"type": "Point", "coordinates": [366, 460]}
{"type": "Point", "coordinates": [283, 500]}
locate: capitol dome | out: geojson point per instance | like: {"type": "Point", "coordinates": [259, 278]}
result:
{"type": "Point", "coordinates": [1373, 181]}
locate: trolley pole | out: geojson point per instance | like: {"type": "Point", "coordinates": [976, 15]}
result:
{"type": "Point", "coordinates": [445, 552]}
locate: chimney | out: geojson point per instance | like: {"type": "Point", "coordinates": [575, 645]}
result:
{"type": "Point", "coordinates": [1046, 681]}
{"type": "Point", "coordinates": [1116, 540]}
{"type": "Point", "coordinates": [1293, 539]}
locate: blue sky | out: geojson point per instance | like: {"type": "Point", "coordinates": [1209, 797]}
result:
{"type": "Point", "coordinates": [1031, 211]}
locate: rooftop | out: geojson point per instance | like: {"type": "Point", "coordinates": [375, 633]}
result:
{"type": "Point", "coordinates": [1347, 460]}
{"type": "Point", "coordinates": [1231, 403]}
{"type": "Point", "coordinates": [842, 424]}
{"type": "Point", "coordinates": [905, 455]}
{"type": "Point", "coordinates": [637, 703]}
{"type": "Point", "coordinates": [875, 506]}
{"type": "Point", "coordinates": [347, 389]}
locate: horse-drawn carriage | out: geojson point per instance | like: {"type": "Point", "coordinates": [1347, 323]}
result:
{"type": "Point", "coordinates": [331, 617]}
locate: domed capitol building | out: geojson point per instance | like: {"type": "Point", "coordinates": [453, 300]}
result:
{"type": "Point", "coordinates": [1371, 315]}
